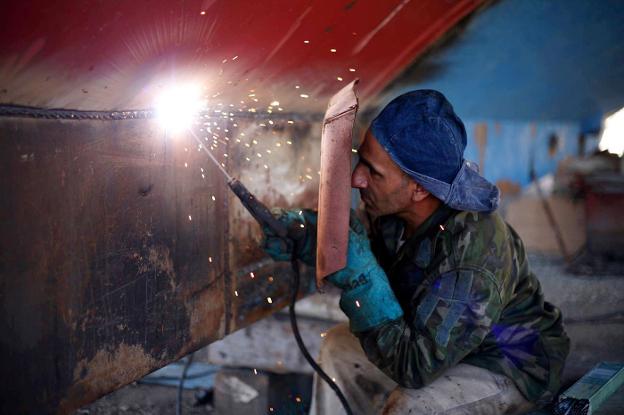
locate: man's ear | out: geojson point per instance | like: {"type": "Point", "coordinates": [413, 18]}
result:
{"type": "Point", "coordinates": [418, 192]}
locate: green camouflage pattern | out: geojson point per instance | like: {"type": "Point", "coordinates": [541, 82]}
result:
{"type": "Point", "coordinates": [473, 299]}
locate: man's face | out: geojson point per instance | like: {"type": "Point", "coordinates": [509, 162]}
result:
{"type": "Point", "coordinates": [384, 188]}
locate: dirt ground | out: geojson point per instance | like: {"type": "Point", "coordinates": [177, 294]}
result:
{"type": "Point", "coordinates": [138, 399]}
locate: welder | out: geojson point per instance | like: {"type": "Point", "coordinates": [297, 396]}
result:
{"type": "Point", "coordinates": [445, 315]}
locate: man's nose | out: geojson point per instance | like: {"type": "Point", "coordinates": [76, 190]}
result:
{"type": "Point", "coordinates": [358, 178]}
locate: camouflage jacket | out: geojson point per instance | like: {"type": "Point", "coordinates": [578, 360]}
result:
{"type": "Point", "coordinates": [468, 295]}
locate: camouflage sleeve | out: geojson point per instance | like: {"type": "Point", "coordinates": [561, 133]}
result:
{"type": "Point", "coordinates": [449, 321]}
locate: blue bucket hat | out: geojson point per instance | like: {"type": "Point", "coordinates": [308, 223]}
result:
{"type": "Point", "coordinates": [425, 137]}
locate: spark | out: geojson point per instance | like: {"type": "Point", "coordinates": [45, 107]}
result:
{"type": "Point", "coordinates": [323, 334]}
{"type": "Point", "coordinates": [304, 95]}
{"type": "Point", "coordinates": [236, 293]}
{"type": "Point", "coordinates": [441, 227]}
{"type": "Point", "coordinates": [185, 164]}
{"type": "Point", "coordinates": [275, 104]}
{"type": "Point", "coordinates": [288, 142]}
{"type": "Point", "coordinates": [266, 167]}
{"type": "Point", "coordinates": [332, 50]}
{"type": "Point", "coordinates": [270, 279]}
{"type": "Point", "coordinates": [251, 274]}
{"type": "Point", "coordinates": [202, 12]}
{"type": "Point", "coordinates": [351, 69]}
{"type": "Point", "coordinates": [235, 57]}
{"type": "Point", "coordinates": [297, 87]}
{"type": "Point", "coordinates": [354, 150]}
{"type": "Point", "coordinates": [209, 259]}
{"type": "Point", "coordinates": [291, 122]}
{"type": "Point", "coordinates": [301, 225]}
{"type": "Point", "coordinates": [259, 155]}
{"type": "Point", "coordinates": [357, 303]}
{"type": "Point", "coordinates": [307, 42]}
{"type": "Point", "coordinates": [255, 371]}
{"type": "Point", "coordinates": [269, 300]}
{"type": "Point", "coordinates": [190, 218]}
{"type": "Point", "coordinates": [298, 399]}
{"type": "Point", "coordinates": [214, 198]}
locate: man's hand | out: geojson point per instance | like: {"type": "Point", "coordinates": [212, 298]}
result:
{"type": "Point", "coordinates": [301, 240]}
{"type": "Point", "coordinates": [367, 298]}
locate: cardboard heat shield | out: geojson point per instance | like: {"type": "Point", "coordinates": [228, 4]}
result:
{"type": "Point", "coordinates": [335, 184]}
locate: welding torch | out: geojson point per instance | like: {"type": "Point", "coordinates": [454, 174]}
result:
{"type": "Point", "coordinates": [254, 206]}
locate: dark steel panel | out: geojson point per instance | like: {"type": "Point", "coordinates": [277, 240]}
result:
{"type": "Point", "coordinates": [104, 277]}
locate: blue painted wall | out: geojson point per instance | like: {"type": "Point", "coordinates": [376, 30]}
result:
{"type": "Point", "coordinates": [556, 64]}
{"type": "Point", "coordinates": [511, 144]}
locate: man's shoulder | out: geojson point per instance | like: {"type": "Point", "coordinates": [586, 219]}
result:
{"type": "Point", "coordinates": [475, 239]}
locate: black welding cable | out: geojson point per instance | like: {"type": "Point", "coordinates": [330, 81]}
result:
{"type": "Point", "coordinates": [302, 347]}
{"type": "Point", "coordinates": [187, 364]}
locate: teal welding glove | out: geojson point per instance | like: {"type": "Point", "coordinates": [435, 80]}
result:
{"type": "Point", "coordinates": [301, 240]}
{"type": "Point", "coordinates": [367, 298]}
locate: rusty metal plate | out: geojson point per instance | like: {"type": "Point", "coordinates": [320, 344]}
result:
{"type": "Point", "coordinates": [121, 250]}
{"type": "Point", "coordinates": [335, 184]}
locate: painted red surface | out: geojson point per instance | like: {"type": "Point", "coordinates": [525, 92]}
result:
{"type": "Point", "coordinates": [117, 54]}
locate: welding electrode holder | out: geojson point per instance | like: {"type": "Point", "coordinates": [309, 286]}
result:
{"type": "Point", "coordinates": [264, 216]}
{"type": "Point", "coordinates": [257, 209]}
